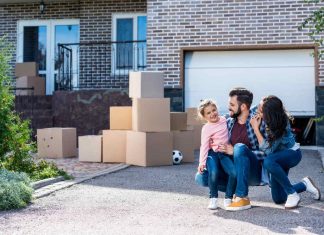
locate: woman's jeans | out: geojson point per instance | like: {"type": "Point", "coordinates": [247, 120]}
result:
{"type": "Point", "coordinates": [219, 175]}
{"type": "Point", "coordinates": [278, 165]}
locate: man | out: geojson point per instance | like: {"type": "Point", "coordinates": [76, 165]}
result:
{"type": "Point", "coordinates": [243, 144]}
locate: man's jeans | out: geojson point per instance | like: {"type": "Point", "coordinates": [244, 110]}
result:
{"type": "Point", "coordinates": [248, 169]}
{"type": "Point", "coordinates": [219, 175]}
{"type": "Point", "coordinates": [278, 165]}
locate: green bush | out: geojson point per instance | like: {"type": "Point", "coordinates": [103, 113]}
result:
{"type": "Point", "coordinates": [44, 170]}
{"type": "Point", "coordinates": [15, 190]}
{"type": "Point", "coordinates": [16, 144]}
{"type": "Point", "coordinates": [15, 134]}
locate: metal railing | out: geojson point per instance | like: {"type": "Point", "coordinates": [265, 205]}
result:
{"type": "Point", "coordinates": [95, 65]}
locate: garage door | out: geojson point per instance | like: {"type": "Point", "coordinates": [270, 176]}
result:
{"type": "Point", "coordinates": [288, 74]}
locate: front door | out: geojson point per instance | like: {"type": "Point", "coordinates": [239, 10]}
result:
{"type": "Point", "coordinates": [37, 41]}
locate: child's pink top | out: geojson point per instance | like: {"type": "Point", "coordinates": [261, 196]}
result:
{"type": "Point", "coordinates": [212, 135]}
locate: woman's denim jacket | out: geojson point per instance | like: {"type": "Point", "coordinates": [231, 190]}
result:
{"type": "Point", "coordinates": [287, 141]}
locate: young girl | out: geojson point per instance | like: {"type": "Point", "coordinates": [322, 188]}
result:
{"type": "Point", "coordinates": [213, 163]}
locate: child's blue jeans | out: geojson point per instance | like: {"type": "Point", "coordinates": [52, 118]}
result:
{"type": "Point", "coordinates": [219, 175]}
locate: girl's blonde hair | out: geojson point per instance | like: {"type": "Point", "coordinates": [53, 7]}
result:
{"type": "Point", "coordinates": [203, 104]}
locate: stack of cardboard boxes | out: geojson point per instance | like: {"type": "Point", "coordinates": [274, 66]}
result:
{"type": "Point", "coordinates": [144, 134]}
{"type": "Point", "coordinates": [150, 143]}
{"type": "Point", "coordinates": [114, 140]}
{"type": "Point", "coordinates": [27, 78]}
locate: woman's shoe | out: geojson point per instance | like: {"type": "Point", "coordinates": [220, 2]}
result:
{"type": "Point", "coordinates": [311, 187]}
{"type": "Point", "coordinates": [292, 201]}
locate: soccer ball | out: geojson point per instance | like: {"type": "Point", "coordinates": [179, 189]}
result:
{"type": "Point", "coordinates": [177, 157]}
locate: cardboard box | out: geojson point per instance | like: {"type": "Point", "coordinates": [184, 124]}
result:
{"type": "Point", "coordinates": [56, 142]}
{"type": "Point", "coordinates": [90, 148]}
{"type": "Point", "coordinates": [184, 142]}
{"type": "Point", "coordinates": [192, 117]}
{"type": "Point", "coordinates": [26, 69]}
{"type": "Point", "coordinates": [114, 146]}
{"type": "Point", "coordinates": [120, 118]}
{"type": "Point", "coordinates": [38, 83]}
{"type": "Point", "coordinates": [149, 149]}
{"type": "Point", "coordinates": [178, 121]}
{"type": "Point", "coordinates": [146, 84]}
{"type": "Point", "coordinates": [151, 115]}
{"type": "Point", "coordinates": [196, 134]}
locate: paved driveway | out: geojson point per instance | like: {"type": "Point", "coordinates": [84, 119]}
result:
{"type": "Point", "coordinates": [164, 200]}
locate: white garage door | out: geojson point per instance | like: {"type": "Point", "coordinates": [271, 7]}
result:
{"type": "Point", "coordinates": [288, 74]}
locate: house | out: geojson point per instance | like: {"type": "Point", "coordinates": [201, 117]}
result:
{"type": "Point", "coordinates": [204, 47]}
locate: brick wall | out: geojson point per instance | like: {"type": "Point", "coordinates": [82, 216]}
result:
{"type": "Point", "coordinates": [173, 24]}
{"type": "Point", "coordinates": [95, 25]}
{"type": "Point", "coordinates": [11, 13]}
{"type": "Point", "coordinates": [320, 114]}
{"type": "Point", "coordinates": [88, 111]}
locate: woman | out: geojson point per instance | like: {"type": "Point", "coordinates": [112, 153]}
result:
{"type": "Point", "coordinates": [282, 153]}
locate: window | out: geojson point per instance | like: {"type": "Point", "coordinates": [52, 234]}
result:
{"type": "Point", "coordinates": [34, 45]}
{"type": "Point", "coordinates": [129, 49]}
{"type": "Point", "coordinates": [37, 41]}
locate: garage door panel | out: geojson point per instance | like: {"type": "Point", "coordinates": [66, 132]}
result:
{"type": "Point", "coordinates": [294, 85]}
{"type": "Point", "coordinates": [249, 59]}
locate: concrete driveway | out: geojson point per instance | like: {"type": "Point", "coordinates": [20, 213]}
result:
{"type": "Point", "coordinates": [164, 200]}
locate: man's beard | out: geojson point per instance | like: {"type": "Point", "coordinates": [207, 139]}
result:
{"type": "Point", "coordinates": [237, 113]}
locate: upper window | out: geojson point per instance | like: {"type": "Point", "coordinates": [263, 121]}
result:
{"type": "Point", "coordinates": [129, 35]}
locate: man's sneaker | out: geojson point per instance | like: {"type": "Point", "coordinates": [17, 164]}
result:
{"type": "Point", "coordinates": [311, 187]}
{"type": "Point", "coordinates": [227, 202]}
{"type": "Point", "coordinates": [292, 201]}
{"type": "Point", "coordinates": [239, 204]}
{"type": "Point", "coordinates": [212, 204]}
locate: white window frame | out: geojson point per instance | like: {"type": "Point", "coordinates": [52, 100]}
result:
{"type": "Point", "coordinates": [116, 16]}
{"type": "Point", "coordinates": [50, 40]}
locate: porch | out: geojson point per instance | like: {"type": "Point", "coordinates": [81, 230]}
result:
{"type": "Point", "coordinates": [98, 65]}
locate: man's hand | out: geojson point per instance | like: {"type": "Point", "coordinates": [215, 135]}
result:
{"type": "Point", "coordinates": [201, 168]}
{"type": "Point", "coordinates": [226, 148]}
{"type": "Point", "coordinates": [255, 122]}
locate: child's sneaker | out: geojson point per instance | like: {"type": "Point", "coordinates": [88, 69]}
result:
{"type": "Point", "coordinates": [311, 187]}
{"type": "Point", "coordinates": [227, 202]}
{"type": "Point", "coordinates": [239, 204]}
{"type": "Point", "coordinates": [212, 204]}
{"type": "Point", "coordinates": [292, 201]}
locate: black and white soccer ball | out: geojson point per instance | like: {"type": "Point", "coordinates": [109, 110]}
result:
{"type": "Point", "coordinates": [177, 157]}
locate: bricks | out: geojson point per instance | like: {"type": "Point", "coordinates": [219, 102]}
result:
{"type": "Point", "coordinates": [171, 25]}
{"type": "Point", "coordinates": [226, 23]}
{"type": "Point", "coordinates": [95, 25]}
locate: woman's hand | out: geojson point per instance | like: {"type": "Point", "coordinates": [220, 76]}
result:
{"type": "Point", "coordinates": [255, 122]}
{"type": "Point", "coordinates": [226, 148]}
{"type": "Point", "coordinates": [201, 168]}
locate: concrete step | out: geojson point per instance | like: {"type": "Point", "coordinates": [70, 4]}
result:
{"type": "Point", "coordinates": [36, 113]}
{"type": "Point", "coordinates": [33, 102]}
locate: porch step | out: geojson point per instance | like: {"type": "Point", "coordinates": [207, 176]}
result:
{"type": "Point", "coordinates": [28, 113]}
{"type": "Point", "coordinates": [33, 102]}
{"type": "Point", "coordinates": [42, 122]}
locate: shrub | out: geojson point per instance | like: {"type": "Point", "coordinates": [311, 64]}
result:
{"type": "Point", "coordinates": [44, 170]}
{"type": "Point", "coordinates": [15, 190]}
{"type": "Point", "coordinates": [15, 134]}
{"type": "Point", "coordinates": [16, 144]}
